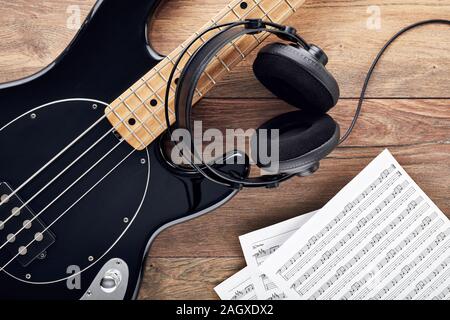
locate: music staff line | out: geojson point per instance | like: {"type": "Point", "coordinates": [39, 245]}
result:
{"type": "Point", "coordinates": [371, 251]}
{"type": "Point", "coordinates": [297, 262]}
{"type": "Point", "coordinates": [343, 248]}
{"type": "Point", "coordinates": [374, 276]}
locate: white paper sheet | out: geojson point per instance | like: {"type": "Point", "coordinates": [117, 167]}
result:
{"type": "Point", "coordinates": [259, 245]}
{"type": "Point", "coordinates": [238, 287]}
{"type": "Point", "coordinates": [381, 237]}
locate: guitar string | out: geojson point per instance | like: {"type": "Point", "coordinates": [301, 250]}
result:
{"type": "Point", "coordinates": [131, 112]}
{"type": "Point", "coordinates": [67, 210]}
{"type": "Point", "coordinates": [20, 251]}
{"type": "Point", "coordinates": [101, 139]}
{"type": "Point", "coordinates": [72, 164]}
{"type": "Point", "coordinates": [29, 222]}
{"type": "Point", "coordinates": [98, 141]}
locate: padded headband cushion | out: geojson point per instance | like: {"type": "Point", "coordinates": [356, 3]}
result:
{"type": "Point", "coordinates": [300, 133]}
{"type": "Point", "coordinates": [293, 75]}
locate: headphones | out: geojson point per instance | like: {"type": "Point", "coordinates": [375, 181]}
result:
{"type": "Point", "coordinates": [295, 72]}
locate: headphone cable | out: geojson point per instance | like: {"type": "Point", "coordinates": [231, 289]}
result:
{"type": "Point", "coordinates": [374, 64]}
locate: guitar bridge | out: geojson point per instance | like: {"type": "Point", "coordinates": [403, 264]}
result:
{"type": "Point", "coordinates": [32, 241]}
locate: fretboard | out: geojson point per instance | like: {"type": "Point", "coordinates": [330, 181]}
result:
{"type": "Point", "coordinates": [138, 114]}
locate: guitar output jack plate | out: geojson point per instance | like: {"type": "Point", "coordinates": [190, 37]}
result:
{"type": "Point", "coordinates": [110, 283]}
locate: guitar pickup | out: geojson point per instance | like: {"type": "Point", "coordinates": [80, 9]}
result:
{"type": "Point", "coordinates": [14, 216]}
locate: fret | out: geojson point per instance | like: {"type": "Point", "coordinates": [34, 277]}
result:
{"type": "Point", "coordinates": [199, 93]}
{"type": "Point", "coordinates": [250, 43]}
{"type": "Point", "coordinates": [155, 81]}
{"type": "Point", "coordinates": [232, 44]}
{"type": "Point", "coordinates": [265, 12]}
{"type": "Point", "coordinates": [231, 55]}
{"type": "Point", "coordinates": [172, 62]}
{"type": "Point", "coordinates": [142, 102]}
{"type": "Point", "coordinates": [137, 109]}
{"type": "Point", "coordinates": [209, 77]}
{"type": "Point", "coordinates": [143, 91]}
{"type": "Point", "coordinates": [206, 37]}
{"type": "Point", "coordinates": [234, 12]}
{"type": "Point", "coordinates": [267, 5]}
{"type": "Point", "coordinates": [240, 17]}
{"type": "Point", "coordinates": [239, 12]}
{"type": "Point", "coordinates": [279, 11]}
{"type": "Point", "coordinates": [250, 13]}
{"type": "Point", "coordinates": [291, 6]}
{"type": "Point", "coordinates": [122, 121]}
{"type": "Point", "coordinates": [216, 57]}
{"type": "Point", "coordinates": [188, 55]}
{"type": "Point", "coordinates": [197, 44]}
{"type": "Point", "coordinates": [155, 112]}
{"type": "Point", "coordinates": [165, 71]}
{"type": "Point", "coordinates": [161, 75]}
{"type": "Point", "coordinates": [229, 17]}
{"type": "Point", "coordinates": [137, 117]}
{"type": "Point", "coordinates": [160, 94]}
{"type": "Point", "coordinates": [150, 89]}
{"type": "Point", "coordinates": [183, 60]}
{"type": "Point", "coordinates": [139, 99]}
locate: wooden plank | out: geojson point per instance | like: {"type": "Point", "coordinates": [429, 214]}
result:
{"type": "Point", "coordinates": [188, 260]}
{"type": "Point", "coordinates": [417, 67]}
{"type": "Point", "coordinates": [383, 122]}
{"type": "Point", "coordinates": [416, 131]}
{"type": "Point", "coordinates": [195, 279]}
{"type": "Point", "coordinates": [216, 234]}
{"type": "Point", "coordinates": [33, 34]}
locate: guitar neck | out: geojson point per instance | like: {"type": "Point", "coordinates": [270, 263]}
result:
{"type": "Point", "coordinates": [138, 114]}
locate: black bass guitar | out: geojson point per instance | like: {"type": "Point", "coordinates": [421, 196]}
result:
{"type": "Point", "coordinates": [85, 184]}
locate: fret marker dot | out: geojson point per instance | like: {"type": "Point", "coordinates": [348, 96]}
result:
{"type": "Point", "coordinates": [131, 121]}
{"type": "Point", "coordinates": [244, 5]}
{"type": "Point", "coordinates": [176, 81]}
{"type": "Point", "coordinates": [153, 102]}
{"type": "Point", "coordinates": [2, 225]}
{"type": "Point", "coordinates": [23, 250]}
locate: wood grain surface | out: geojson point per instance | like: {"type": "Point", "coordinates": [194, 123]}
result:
{"type": "Point", "coordinates": [408, 112]}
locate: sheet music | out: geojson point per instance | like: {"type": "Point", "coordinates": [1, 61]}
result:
{"type": "Point", "coordinates": [259, 245]}
{"type": "Point", "coordinates": [239, 287]}
{"type": "Point", "coordinates": [381, 237]}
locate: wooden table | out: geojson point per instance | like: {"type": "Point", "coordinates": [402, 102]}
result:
{"type": "Point", "coordinates": [408, 112]}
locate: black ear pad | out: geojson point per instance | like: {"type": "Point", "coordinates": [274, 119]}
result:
{"type": "Point", "coordinates": [304, 140]}
{"type": "Point", "coordinates": [297, 77]}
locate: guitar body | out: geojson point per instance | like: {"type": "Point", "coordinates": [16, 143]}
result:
{"type": "Point", "coordinates": [94, 224]}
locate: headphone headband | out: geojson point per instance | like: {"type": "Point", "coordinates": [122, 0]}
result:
{"type": "Point", "coordinates": [190, 78]}
{"type": "Point", "coordinates": [198, 63]}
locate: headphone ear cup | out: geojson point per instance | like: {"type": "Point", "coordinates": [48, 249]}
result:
{"type": "Point", "coordinates": [304, 140]}
{"type": "Point", "coordinates": [297, 77]}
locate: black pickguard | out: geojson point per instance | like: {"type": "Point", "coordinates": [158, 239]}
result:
{"type": "Point", "coordinates": [107, 56]}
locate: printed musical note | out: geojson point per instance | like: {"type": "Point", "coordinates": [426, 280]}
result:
{"type": "Point", "coordinates": [259, 245]}
{"type": "Point", "coordinates": [389, 241]}
{"type": "Point", "coordinates": [239, 287]}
